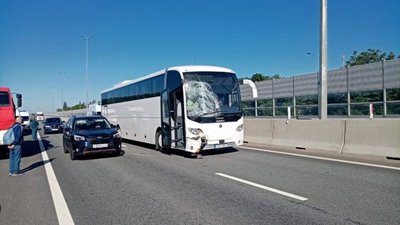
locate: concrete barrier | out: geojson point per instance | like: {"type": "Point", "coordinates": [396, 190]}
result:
{"type": "Point", "coordinates": [379, 137]}
{"type": "Point", "coordinates": [309, 134]}
{"type": "Point", "coordinates": [258, 131]}
{"type": "Point", "coordinates": [373, 137]}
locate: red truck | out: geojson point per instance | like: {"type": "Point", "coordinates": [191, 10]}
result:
{"type": "Point", "coordinates": [7, 114]}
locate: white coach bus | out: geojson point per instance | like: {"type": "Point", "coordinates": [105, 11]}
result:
{"type": "Point", "coordinates": [191, 108]}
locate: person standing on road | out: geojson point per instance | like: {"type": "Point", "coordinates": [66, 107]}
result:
{"type": "Point", "coordinates": [16, 148]}
{"type": "Point", "coordinates": [34, 126]}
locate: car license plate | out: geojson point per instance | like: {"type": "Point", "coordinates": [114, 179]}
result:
{"type": "Point", "coordinates": [221, 146]}
{"type": "Point", "coordinates": [100, 145]}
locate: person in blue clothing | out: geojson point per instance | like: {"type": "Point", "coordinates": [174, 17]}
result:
{"type": "Point", "coordinates": [34, 126]}
{"type": "Point", "coordinates": [16, 148]}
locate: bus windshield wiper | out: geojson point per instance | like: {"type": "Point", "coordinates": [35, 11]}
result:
{"type": "Point", "coordinates": [208, 113]}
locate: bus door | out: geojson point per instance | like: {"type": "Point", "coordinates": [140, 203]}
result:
{"type": "Point", "coordinates": [165, 119]}
{"type": "Point", "coordinates": [177, 120]}
{"type": "Point", "coordinates": [172, 111]}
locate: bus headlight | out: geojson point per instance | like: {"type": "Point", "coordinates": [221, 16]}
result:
{"type": "Point", "coordinates": [79, 138]}
{"type": "Point", "coordinates": [239, 128]}
{"type": "Point", "coordinates": [195, 131]}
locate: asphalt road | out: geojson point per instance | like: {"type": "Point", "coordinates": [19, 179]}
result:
{"type": "Point", "coordinates": [143, 186]}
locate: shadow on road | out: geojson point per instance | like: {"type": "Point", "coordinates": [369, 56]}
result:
{"type": "Point", "coordinates": [183, 153]}
{"type": "Point", "coordinates": [100, 156]}
{"type": "Point", "coordinates": [36, 165]}
{"type": "Point", "coordinates": [31, 148]}
{"type": "Point", "coordinates": [203, 153]}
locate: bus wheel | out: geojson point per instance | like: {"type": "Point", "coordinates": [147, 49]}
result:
{"type": "Point", "coordinates": [158, 140]}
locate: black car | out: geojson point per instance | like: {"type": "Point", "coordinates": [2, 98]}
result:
{"type": "Point", "coordinates": [90, 134]}
{"type": "Point", "coordinates": [53, 124]}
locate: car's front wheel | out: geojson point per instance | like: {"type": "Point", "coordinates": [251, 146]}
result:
{"type": "Point", "coordinates": [72, 155]}
{"type": "Point", "coordinates": [65, 147]}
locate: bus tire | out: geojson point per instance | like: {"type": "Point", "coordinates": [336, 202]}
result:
{"type": "Point", "coordinates": [158, 139]}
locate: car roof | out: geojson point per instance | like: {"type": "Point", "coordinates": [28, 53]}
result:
{"type": "Point", "coordinates": [88, 117]}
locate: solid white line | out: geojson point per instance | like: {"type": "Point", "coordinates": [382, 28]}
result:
{"type": "Point", "coordinates": [323, 158]}
{"type": "Point", "coordinates": [263, 187]}
{"type": "Point", "coordinates": [63, 215]}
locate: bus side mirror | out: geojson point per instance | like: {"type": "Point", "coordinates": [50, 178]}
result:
{"type": "Point", "coordinates": [19, 100]}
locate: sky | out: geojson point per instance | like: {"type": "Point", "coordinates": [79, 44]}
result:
{"type": "Point", "coordinates": [43, 51]}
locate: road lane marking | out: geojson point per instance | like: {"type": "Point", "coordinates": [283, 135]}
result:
{"type": "Point", "coordinates": [63, 215]}
{"type": "Point", "coordinates": [297, 197]}
{"type": "Point", "coordinates": [323, 158]}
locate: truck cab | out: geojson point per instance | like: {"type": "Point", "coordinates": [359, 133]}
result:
{"type": "Point", "coordinates": [25, 118]}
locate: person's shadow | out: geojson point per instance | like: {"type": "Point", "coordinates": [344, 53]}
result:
{"type": "Point", "coordinates": [31, 147]}
{"type": "Point", "coordinates": [36, 165]}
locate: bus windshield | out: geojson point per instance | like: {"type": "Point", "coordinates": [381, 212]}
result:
{"type": "Point", "coordinates": [212, 95]}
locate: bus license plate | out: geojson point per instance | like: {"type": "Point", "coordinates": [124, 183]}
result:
{"type": "Point", "coordinates": [221, 146]}
{"type": "Point", "coordinates": [100, 145]}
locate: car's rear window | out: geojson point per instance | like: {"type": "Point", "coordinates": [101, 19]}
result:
{"type": "Point", "coordinates": [91, 124]}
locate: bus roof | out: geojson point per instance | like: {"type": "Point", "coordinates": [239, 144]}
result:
{"type": "Point", "coordinates": [182, 69]}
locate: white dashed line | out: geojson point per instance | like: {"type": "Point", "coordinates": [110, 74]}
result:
{"type": "Point", "coordinates": [263, 187]}
{"type": "Point", "coordinates": [63, 215]}
{"type": "Point", "coordinates": [322, 158]}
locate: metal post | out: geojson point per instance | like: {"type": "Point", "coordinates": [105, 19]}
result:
{"type": "Point", "coordinates": [323, 58]}
{"type": "Point", "coordinates": [384, 90]}
{"type": "Point", "coordinates": [86, 70]}
{"type": "Point", "coordinates": [62, 94]}
{"type": "Point", "coordinates": [256, 107]}
{"type": "Point", "coordinates": [52, 102]}
{"type": "Point", "coordinates": [273, 99]}
{"type": "Point", "coordinates": [294, 102]}
{"type": "Point", "coordinates": [348, 92]}
{"type": "Point", "coordinates": [371, 111]}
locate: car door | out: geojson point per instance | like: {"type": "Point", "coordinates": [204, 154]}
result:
{"type": "Point", "coordinates": [67, 134]}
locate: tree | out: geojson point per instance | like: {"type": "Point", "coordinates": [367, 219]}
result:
{"type": "Point", "coordinates": [369, 56]}
{"type": "Point", "coordinates": [391, 56]}
{"type": "Point", "coordinates": [260, 77]}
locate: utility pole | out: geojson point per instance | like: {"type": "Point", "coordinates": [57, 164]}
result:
{"type": "Point", "coordinates": [323, 59]}
{"type": "Point", "coordinates": [87, 39]}
{"type": "Point", "coordinates": [62, 93]}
